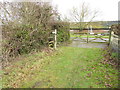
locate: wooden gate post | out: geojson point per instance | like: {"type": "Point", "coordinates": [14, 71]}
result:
{"type": "Point", "coordinates": [87, 33]}
{"type": "Point", "coordinates": [110, 30]}
{"type": "Point", "coordinates": [87, 37]}
{"type": "Point", "coordinates": [55, 38]}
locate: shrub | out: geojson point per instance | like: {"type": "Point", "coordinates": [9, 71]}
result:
{"type": "Point", "coordinates": [30, 29]}
{"type": "Point", "coordinates": [62, 31]}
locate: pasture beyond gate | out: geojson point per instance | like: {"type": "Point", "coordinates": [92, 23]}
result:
{"type": "Point", "coordinates": [91, 35]}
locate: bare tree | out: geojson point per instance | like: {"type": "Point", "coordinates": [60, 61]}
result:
{"type": "Point", "coordinates": [82, 14]}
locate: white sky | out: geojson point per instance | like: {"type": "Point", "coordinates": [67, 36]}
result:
{"type": "Point", "coordinates": [108, 8]}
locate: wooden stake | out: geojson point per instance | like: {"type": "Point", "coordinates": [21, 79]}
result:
{"type": "Point", "coordinates": [55, 39]}
{"type": "Point", "coordinates": [110, 35]}
{"type": "Point", "coordinates": [87, 34]}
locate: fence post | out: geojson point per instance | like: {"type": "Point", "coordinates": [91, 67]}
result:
{"type": "Point", "coordinates": [110, 30]}
{"type": "Point", "coordinates": [55, 38]}
{"type": "Point", "coordinates": [87, 34]}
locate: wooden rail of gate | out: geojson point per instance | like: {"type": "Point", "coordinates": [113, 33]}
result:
{"type": "Point", "coordinates": [95, 34]}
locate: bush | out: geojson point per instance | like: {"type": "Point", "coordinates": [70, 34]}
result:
{"type": "Point", "coordinates": [30, 30]}
{"type": "Point", "coordinates": [62, 31]}
{"type": "Point", "coordinates": [116, 29]}
{"type": "Point", "coordinates": [22, 40]}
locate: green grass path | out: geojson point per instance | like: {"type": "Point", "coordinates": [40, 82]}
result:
{"type": "Point", "coordinates": [68, 67]}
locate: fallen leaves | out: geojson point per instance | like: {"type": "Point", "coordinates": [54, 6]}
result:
{"type": "Point", "coordinates": [108, 85]}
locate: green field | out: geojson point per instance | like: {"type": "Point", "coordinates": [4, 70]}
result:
{"type": "Point", "coordinates": [94, 24]}
{"type": "Point", "coordinates": [68, 67]}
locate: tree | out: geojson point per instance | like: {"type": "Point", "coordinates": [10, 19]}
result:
{"type": "Point", "coordinates": [82, 14]}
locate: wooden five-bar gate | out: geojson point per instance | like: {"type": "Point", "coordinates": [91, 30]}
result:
{"type": "Point", "coordinates": [92, 34]}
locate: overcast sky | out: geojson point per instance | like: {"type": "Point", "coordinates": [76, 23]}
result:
{"type": "Point", "coordinates": [108, 9]}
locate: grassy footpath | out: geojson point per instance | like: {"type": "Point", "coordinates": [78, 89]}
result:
{"type": "Point", "coordinates": [68, 67]}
